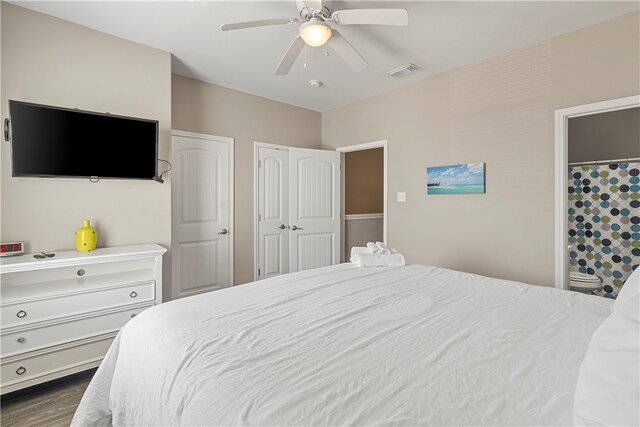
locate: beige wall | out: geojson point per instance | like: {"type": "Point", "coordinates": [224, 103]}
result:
{"type": "Point", "coordinates": [364, 181]}
{"type": "Point", "coordinates": [215, 110]}
{"type": "Point", "coordinates": [498, 111]}
{"type": "Point", "coordinates": [605, 136]}
{"type": "Point", "coordinates": [358, 232]}
{"type": "Point", "coordinates": [50, 61]}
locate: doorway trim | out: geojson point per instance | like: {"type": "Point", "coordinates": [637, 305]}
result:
{"type": "Point", "coordinates": [562, 117]}
{"type": "Point", "coordinates": [232, 230]}
{"type": "Point", "coordinates": [256, 146]}
{"type": "Point", "coordinates": [360, 147]}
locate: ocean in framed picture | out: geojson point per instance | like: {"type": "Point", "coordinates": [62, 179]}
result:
{"type": "Point", "coordinates": [467, 178]}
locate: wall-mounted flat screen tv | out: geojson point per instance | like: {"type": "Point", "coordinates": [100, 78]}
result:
{"type": "Point", "coordinates": [61, 142]}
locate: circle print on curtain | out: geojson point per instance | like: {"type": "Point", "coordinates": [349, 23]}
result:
{"type": "Point", "coordinates": [605, 234]}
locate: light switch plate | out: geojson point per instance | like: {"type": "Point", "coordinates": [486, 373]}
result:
{"type": "Point", "coordinates": [402, 196]}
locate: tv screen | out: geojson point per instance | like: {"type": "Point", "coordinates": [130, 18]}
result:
{"type": "Point", "coordinates": [61, 142]}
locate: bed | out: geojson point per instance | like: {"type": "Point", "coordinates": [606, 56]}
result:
{"type": "Point", "coordinates": [342, 345]}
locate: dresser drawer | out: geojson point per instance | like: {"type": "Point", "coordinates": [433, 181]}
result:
{"type": "Point", "coordinates": [42, 309]}
{"type": "Point", "coordinates": [41, 364]}
{"type": "Point", "coordinates": [37, 336]}
{"type": "Point", "coordinates": [78, 271]}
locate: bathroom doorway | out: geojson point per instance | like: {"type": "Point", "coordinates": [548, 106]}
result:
{"type": "Point", "coordinates": [364, 178]}
{"type": "Point", "coordinates": [598, 191]}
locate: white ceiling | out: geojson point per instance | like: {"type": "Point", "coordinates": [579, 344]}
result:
{"type": "Point", "coordinates": [441, 35]}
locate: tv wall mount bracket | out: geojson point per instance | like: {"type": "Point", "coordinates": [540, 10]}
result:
{"type": "Point", "coordinates": [7, 130]}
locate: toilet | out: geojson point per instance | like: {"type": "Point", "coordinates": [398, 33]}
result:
{"type": "Point", "coordinates": [584, 283]}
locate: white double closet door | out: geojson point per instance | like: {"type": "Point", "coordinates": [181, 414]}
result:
{"type": "Point", "coordinates": [298, 210]}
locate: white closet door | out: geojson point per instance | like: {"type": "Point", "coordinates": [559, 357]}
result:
{"type": "Point", "coordinates": [273, 212]}
{"type": "Point", "coordinates": [200, 215]}
{"type": "Point", "coordinates": [314, 213]}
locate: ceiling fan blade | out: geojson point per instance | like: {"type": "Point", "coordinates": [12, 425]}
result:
{"type": "Point", "coordinates": [260, 23]}
{"type": "Point", "coordinates": [347, 52]}
{"type": "Point", "coordinates": [371, 17]}
{"type": "Point", "coordinates": [290, 57]}
{"type": "Point", "coordinates": [309, 4]}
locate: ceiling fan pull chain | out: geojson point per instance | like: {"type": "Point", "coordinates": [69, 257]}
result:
{"type": "Point", "coordinates": [306, 57]}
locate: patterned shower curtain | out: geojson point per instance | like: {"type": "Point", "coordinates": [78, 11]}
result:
{"type": "Point", "coordinates": [604, 222]}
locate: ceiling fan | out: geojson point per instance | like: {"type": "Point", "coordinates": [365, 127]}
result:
{"type": "Point", "coordinates": [315, 30]}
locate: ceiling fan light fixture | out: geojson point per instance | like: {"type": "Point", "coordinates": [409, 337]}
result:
{"type": "Point", "coordinates": [315, 33]}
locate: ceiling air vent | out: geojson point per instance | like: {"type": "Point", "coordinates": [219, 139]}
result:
{"type": "Point", "coordinates": [405, 70]}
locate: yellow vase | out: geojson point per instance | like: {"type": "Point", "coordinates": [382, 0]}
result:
{"type": "Point", "coordinates": [86, 237]}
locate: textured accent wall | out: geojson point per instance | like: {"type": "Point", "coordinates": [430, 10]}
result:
{"type": "Point", "coordinates": [604, 222]}
{"type": "Point", "coordinates": [499, 111]}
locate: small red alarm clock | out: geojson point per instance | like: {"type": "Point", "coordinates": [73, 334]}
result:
{"type": "Point", "coordinates": [11, 248]}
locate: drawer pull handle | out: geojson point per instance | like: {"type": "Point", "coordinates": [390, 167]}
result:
{"type": "Point", "coordinates": [133, 294]}
{"type": "Point", "coordinates": [21, 314]}
{"type": "Point", "coordinates": [21, 370]}
{"type": "Point", "coordinates": [21, 339]}
{"type": "Point", "coordinates": [81, 272]}
{"type": "Point", "coordinates": [133, 315]}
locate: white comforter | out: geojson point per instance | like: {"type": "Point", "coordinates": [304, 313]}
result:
{"type": "Point", "coordinates": [410, 345]}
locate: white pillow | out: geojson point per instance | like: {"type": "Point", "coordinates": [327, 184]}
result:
{"type": "Point", "coordinates": [608, 389]}
{"type": "Point", "coordinates": [630, 289]}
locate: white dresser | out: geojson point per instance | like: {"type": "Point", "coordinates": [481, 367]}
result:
{"type": "Point", "coordinates": [59, 315]}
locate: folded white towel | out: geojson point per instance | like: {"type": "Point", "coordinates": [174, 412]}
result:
{"type": "Point", "coordinates": [371, 260]}
{"type": "Point", "coordinates": [382, 248]}
{"type": "Point", "coordinates": [373, 248]}
{"type": "Point", "coordinates": [357, 250]}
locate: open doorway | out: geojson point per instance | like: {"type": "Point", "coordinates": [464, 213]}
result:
{"type": "Point", "coordinates": [364, 195]}
{"type": "Point", "coordinates": [597, 195]}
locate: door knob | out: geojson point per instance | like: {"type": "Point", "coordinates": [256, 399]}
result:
{"type": "Point", "coordinates": [224, 231]}
{"type": "Point", "coordinates": [282, 227]}
{"type": "Point", "coordinates": [295, 227]}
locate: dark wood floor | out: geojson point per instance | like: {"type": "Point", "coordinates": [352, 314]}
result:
{"type": "Point", "coordinates": [45, 405]}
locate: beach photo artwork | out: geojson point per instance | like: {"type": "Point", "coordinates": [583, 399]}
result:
{"type": "Point", "coordinates": [467, 178]}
